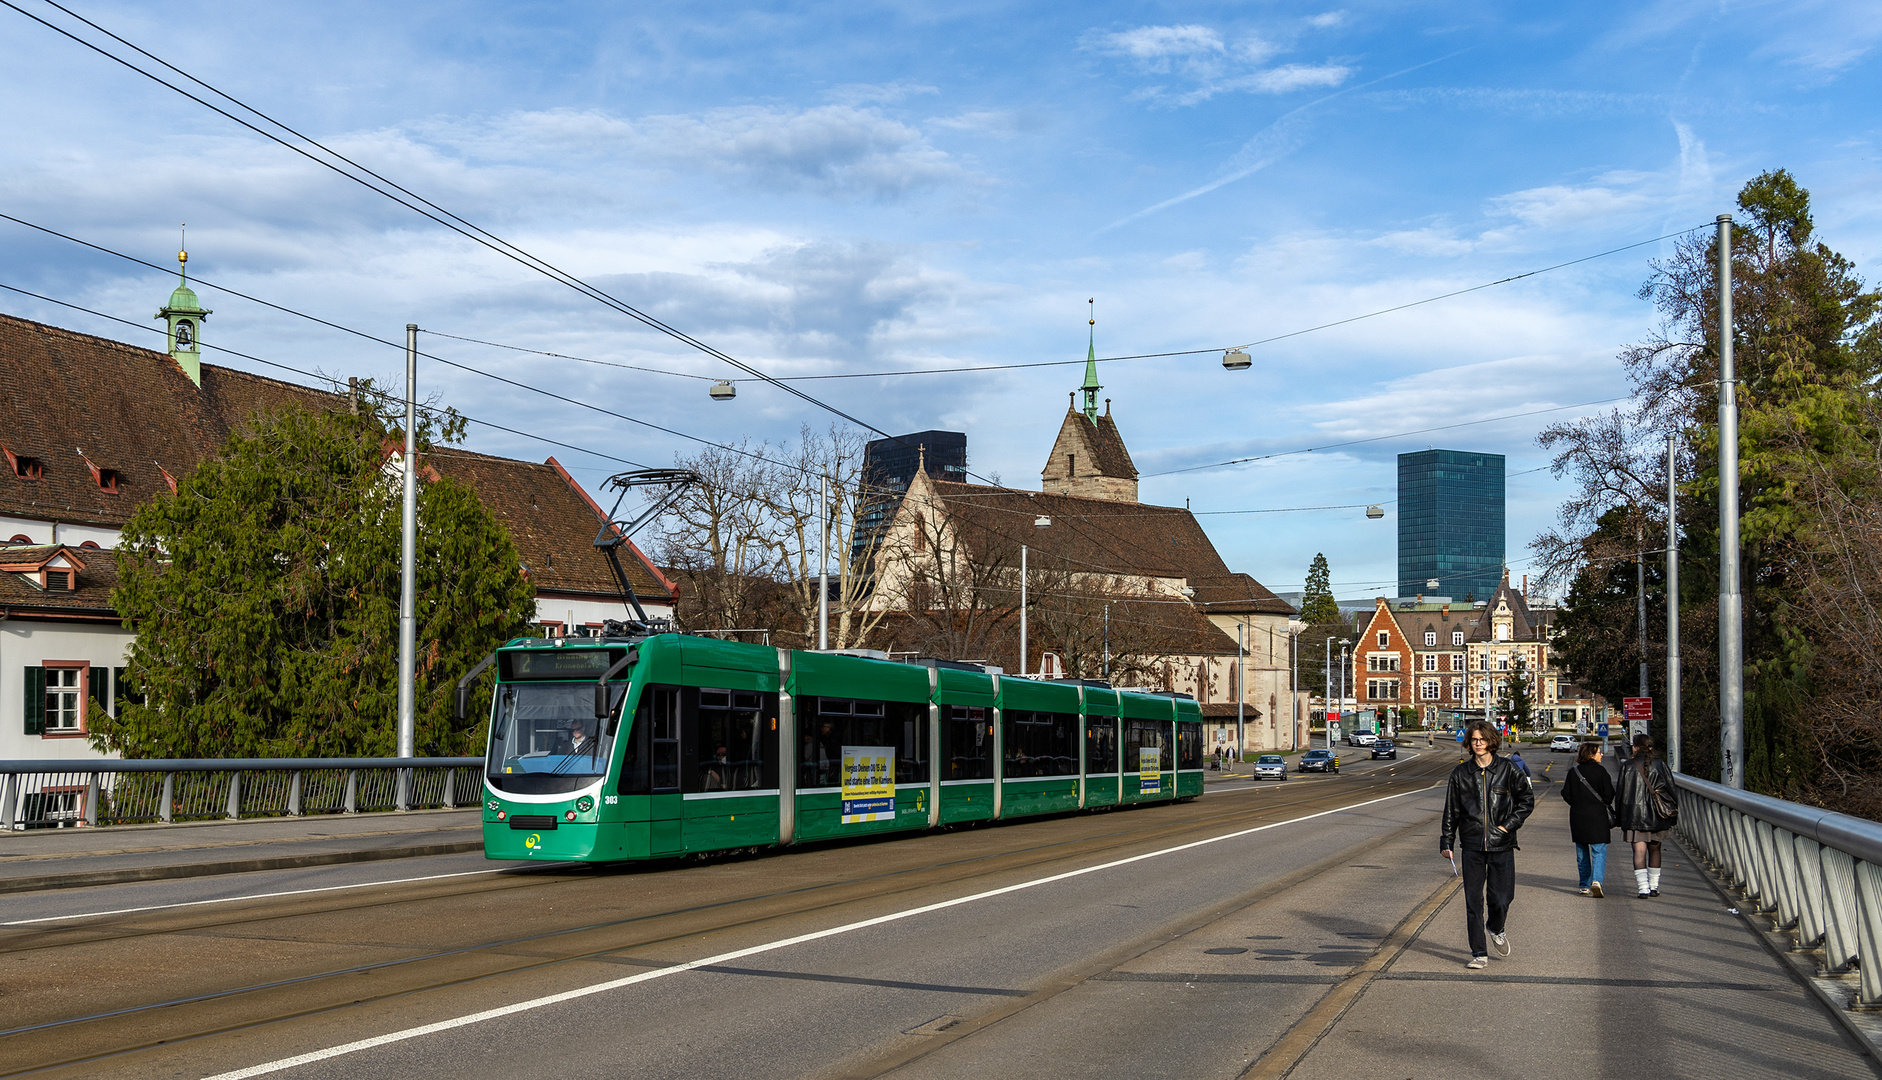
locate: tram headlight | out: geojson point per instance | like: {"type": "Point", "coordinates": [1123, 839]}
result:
{"type": "Point", "coordinates": [584, 804]}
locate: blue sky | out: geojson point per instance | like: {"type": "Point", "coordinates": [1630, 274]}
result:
{"type": "Point", "coordinates": [821, 189]}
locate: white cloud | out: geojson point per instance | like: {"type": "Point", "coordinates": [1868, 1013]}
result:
{"type": "Point", "coordinates": [831, 149]}
{"type": "Point", "coordinates": [1327, 20]}
{"type": "Point", "coordinates": [888, 93]}
{"type": "Point", "coordinates": [1210, 63]}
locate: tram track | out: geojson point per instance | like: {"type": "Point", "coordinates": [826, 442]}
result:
{"type": "Point", "coordinates": [75, 1041]}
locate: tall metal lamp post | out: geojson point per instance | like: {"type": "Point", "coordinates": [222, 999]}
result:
{"type": "Point", "coordinates": [1038, 522]}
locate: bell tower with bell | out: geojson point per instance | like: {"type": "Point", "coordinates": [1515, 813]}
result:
{"type": "Point", "coordinates": [183, 318]}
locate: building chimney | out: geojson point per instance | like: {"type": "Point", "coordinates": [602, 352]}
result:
{"type": "Point", "coordinates": [1525, 588]}
{"type": "Point", "coordinates": [1447, 611]}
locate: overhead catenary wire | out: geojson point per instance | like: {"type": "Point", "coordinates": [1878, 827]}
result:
{"type": "Point", "coordinates": [411, 201]}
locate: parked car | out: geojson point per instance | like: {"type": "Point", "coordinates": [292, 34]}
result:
{"type": "Point", "coordinates": [1563, 742]}
{"type": "Point", "coordinates": [1270, 767]}
{"type": "Point", "coordinates": [1362, 738]}
{"type": "Point", "coordinates": [1318, 761]}
{"type": "Point", "coordinates": [1384, 748]}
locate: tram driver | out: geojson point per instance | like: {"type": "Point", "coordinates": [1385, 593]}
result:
{"type": "Point", "coordinates": [578, 741]}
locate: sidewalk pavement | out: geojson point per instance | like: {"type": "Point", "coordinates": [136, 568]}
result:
{"type": "Point", "coordinates": [1678, 985]}
{"type": "Point", "coordinates": [69, 858]}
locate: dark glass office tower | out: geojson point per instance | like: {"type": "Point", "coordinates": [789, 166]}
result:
{"type": "Point", "coordinates": [889, 467]}
{"type": "Point", "coordinates": [1450, 523]}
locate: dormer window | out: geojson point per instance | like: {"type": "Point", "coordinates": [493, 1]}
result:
{"type": "Point", "coordinates": [1457, 637]}
{"type": "Point", "coordinates": [58, 581]}
{"type": "Point", "coordinates": [107, 478]}
{"type": "Point", "coordinates": [22, 466]}
{"type": "Point", "coordinates": [1431, 637]}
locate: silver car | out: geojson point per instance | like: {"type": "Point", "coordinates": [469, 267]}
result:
{"type": "Point", "coordinates": [1270, 767]}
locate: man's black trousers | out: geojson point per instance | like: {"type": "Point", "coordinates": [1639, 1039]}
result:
{"type": "Point", "coordinates": [1497, 871]}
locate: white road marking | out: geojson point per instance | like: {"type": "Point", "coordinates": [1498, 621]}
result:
{"type": "Point", "coordinates": [313, 1056]}
{"type": "Point", "coordinates": [253, 896]}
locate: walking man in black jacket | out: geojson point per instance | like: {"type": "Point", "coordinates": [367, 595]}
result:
{"type": "Point", "coordinates": [1487, 800]}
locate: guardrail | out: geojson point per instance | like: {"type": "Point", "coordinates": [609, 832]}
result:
{"type": "Point", "coordinates": [66, 793]}
{"type": "Point", "coordinates": [1815, 873]}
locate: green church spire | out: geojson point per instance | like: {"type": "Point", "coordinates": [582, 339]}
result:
{"type": "Point", "coordinates": [1091, 386]}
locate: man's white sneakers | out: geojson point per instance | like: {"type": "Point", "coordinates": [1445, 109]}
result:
{"type": "Point", "coordinates": [1596, 888]}
{"type": "Point", "coordinates": [1477, 962]}
{"type": "Point", "coordinates": [1501, 943]}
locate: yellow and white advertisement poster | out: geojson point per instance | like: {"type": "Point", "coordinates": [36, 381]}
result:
{"type": "Point", "coordinates": [868, 784]}
{"type": "Point", "coordinates": [1150, 770]}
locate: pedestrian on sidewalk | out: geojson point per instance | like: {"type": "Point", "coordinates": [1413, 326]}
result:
{"type": "Point", "coordinates": [1516, 759]}
{"type": "Point", "coordinates": [1649, 808]}
{"type": "Point", "coordinates": [1590, 797]}
{"type": "Point", "coordinates": [1485, 803]}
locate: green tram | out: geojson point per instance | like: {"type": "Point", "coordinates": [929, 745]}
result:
{"type": "Point", "coordinates": [605, 749]}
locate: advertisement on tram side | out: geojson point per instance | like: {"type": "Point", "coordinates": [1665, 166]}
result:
{"type": "Point", "coordinates": [868, 784]}
{"type": "Point", "coordinates": [1150, 770]}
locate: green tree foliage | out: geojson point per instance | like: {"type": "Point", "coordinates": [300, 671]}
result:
{"type": "Point", "coordinates": [1518, 704]}
{"type": "Point", "coordinates": [265, 596]}
{"type": "Point", "coordinates": [1597, 633]}
{"type": "Point", "coordinates": [1317, 605]}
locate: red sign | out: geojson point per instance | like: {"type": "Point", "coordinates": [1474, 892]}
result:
{"type": "Point", "coordinates": [1637, 708]}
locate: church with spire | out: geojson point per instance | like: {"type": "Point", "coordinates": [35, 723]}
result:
{"type": "Point", "coordinates": [1088, 458]}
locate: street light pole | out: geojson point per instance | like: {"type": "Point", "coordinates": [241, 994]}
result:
{"type": "Point", "coordinates": [1672, 606]}
{"type": "Point", "coordinates": [1326, 697]}
{"type": "Point", "coordinates": [408, 572]}
{"type": "Point", "coordinates": [1022, 609]}
{"type": "Point", "coordinates": [1731, 611]}
{"type": "Point", "coordinates": [1241, 692]}
{"type": "Point", "coordinates": [823, 564]}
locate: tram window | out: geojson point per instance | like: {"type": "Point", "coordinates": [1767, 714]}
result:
{"type": "Point", "coordinates": [1040, 744]}
{"type": "Point", "coordinates": [731, 736]}
{"type": "Point", "coordinates": [967, 743]}
{"type": "Point", "coordinates": [833, 723]}
{"type": "Point", "coordinates": [1141, 735]}
{"type": "Point", "coordinates": [1101, 745]}
{"type": "Point", "coordinates": [1188, 744]}
{"type": "Point", "coordinates": [658, 716]}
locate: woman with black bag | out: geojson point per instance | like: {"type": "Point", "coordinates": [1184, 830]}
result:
{"type": "Point", "coordinates": [1590, 797]}
{"type": "Point", "coordinates": [1649, 809]}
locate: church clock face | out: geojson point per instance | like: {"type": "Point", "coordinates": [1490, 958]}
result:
{"type": "Point", "coordinates": [185, 336]}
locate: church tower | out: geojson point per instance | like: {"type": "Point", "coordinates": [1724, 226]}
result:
{"type": "Point", "coordinates": [1089, 458]}
{"type": "Point", "coordinates": [183, 317]}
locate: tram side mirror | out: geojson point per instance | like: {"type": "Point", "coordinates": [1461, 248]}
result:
{"type": "Point", "coordinates": [601, 701]}
{"type": "Point", "coordinates": [462, 706]}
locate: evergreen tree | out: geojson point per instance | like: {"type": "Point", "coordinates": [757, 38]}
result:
{"type": "Point", "coordinates": [265, 598]}
{"type": "Point", "coordinates": [1519, 697]}
{"type": "Point", "coordinates": [1317, 605]}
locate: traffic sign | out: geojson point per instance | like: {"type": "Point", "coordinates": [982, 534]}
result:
{"type": "Point", "coordinates": [1637, 708]}
{"type": "Point", "coordinates": [1601, 730]}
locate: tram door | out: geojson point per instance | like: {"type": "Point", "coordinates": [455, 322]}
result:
{"type": "Point", "coordinates": [729, 768]}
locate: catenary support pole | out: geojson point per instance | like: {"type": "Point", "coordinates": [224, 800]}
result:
{"type": "Point", "coordinates": [1022, 609]}
{"type": "Point", "coordinates": [1672, 603]}
{"type": "Point", "coordinates": [1731, 610]}
{"type": "Point", "coordinates": [408, 547]}
{"type": "Point", "coordinates": [823, 564]}
{"type": "Point", "coordinates": [1241, 694]}
{"type": "Point", "coordinates": [1640, 604]}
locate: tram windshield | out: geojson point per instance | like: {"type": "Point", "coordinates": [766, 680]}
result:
{"type": "Point", "coordinates": [550, 728]}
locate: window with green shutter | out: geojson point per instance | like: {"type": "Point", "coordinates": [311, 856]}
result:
{"type": "Point", "coordinates": [98, 687]}
{"type": "Point", "coordinates": [35, 701]}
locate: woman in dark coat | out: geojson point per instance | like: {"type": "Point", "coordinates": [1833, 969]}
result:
{"type": "Point", "coordinates": [1642, 824]}
{"type": "Point", "coordinates": [1590, 797]}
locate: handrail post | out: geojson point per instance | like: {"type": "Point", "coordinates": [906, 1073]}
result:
{"type": "Point", "coordinates": [450, 789]}
{"type": "Point", "coordinates": [234, 812]}
{"type": "Point", "coordinates": [294, 794]}
{"type": "Point", "coordinates": [91, 799]}
{"type": "Point", "coordinates": [166, 809]}
{"type": "Point", "coordinates": [10, 802]}
{"type": "Point", "coordinates": [352, 791]}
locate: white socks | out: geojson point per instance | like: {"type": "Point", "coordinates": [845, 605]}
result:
{"type": "Point", "coordinates": [1653, 878]}
{"type": "Point", "coordinates": [1640, 878]}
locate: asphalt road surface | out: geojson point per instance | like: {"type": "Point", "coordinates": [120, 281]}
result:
{"type": "Point", "coordinates": [1176, 940]}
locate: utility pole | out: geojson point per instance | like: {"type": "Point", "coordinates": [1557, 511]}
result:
{"type": "Point", "coordinates": [1640, 602]}
{"type": "Point", "coordinates": [1672, 604]}
{"type": "Point", "coordinates": [1107, 639]}
{"type": "Point", "coordinates": [408, 545]}
{"type": "Point", "coordinates": [823, 564]}
{"type": "Point", "coordinates": [1022, 609]}
{"type": "Point", "coordinates": [1241, 692]}
{"type": "Point", "coordinates": [1731, 610]}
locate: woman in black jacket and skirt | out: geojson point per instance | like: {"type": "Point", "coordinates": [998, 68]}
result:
{"type": "Point", "coordinates": [1646, 787]}
{"type": "Point", "coordinates": [1590, 797]}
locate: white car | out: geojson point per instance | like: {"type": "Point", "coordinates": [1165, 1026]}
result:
{"type": "Point", "coordinates": [1561, 743]}
{"type": "Point", "coordinates": [1363, 738]}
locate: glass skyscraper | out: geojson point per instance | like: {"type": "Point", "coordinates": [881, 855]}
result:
{"type": "Point", "coordinates": [1450, 523]}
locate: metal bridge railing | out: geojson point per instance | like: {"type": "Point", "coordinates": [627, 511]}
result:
{"type": "Point", "coordinates": [1816, 874]}
{"type": "Point", "coordinates": [54, 794]}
